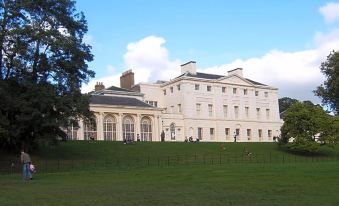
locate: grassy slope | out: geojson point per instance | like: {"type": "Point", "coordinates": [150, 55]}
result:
{"type": "Point", "coordinates": [301, 184]}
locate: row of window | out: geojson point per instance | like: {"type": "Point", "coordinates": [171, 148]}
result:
{"type": "Point", "coordinates": [223, 90]}
{"type": "Point", "coordinates": [110, 129]}
{"type": "Point", "coordinates": [236, 134]}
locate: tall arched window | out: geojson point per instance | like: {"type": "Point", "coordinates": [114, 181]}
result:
{"type": "Point", "coordinates": [172, 130]}
{"type": "Point", "coordinates": [128, 128]}
{"type": "Point", "coordinates": [110, 128]}
{"type": "Point", "coordinates": [146, 129]}
{"type": "Point", "coordinates": [72, 132]}
{"type": "Point", "coordinates": [90, 130]}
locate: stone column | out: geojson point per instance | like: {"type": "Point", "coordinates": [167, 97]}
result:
{"type": "Point", "coordinates": [100, 127]}
{"type": "Point", "coordinates": [137, 128]}
{"type": "Point", "coordinates": [81, 130]}
{"type": "Point", "coordinates": [119, 128]}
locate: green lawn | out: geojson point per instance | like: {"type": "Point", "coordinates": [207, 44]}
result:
{"type": "Point", "coordinates": [110, 173]}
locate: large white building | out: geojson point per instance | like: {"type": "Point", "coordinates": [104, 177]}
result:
{"type": "Point", "coordinates": [212, 108]}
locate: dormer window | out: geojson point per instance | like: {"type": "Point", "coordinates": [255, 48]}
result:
{"type": "Point", "coordinates": [171, 88]}
{"type": "Point", "coordinates": [209, 88]}
{"type": "Point", "coordinates": [178, 87]}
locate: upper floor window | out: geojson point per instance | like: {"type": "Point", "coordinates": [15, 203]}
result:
{"type": "Point", "coordinates": [223, 89]}
{"type": "Point", "coordinates": [234, 90]}
{"type": "Point", "coordinates": [172, 109]}
{"type": "Point", "coordinates": [198, 108]}
{"type": "Point", "coordinates": [209, 88]}
{"type": "Point", "coordinates": [266, 94]}
{"type": "Point", "coordinates": [258, 113]}
{"type": "Point", "coordinates": [196, 86]}
{"type": "Point", "coordinates": [245, 91]}
{"type": "Point", "coordinates": [256, 93]}
{"type": "Point", "coordinates": [178, 87]}
{"type": "Point", "coordinates": [171, 88]}
{"type": "Point", "coordinates": [164, 91]}
{"type": "Point", "coordinates": [267, 113]}
{"type": "Point", "coordinates": [236, 112]}
{"type": "Point", "coordinates": [179, 108]}
{"type": "Point", "coordinates": [210, 110]}
{"type": "Point", "coordinates": [225, 111]}
{"type": "Point", "coordinates": [247, 112]}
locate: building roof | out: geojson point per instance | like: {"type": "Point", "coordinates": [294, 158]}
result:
{"type": "Point", "coordinates": [214, 76]}
{"type": "Point", "coordinates": [113, 88]}
{"type": "Point", "coordinates": [116, 100]}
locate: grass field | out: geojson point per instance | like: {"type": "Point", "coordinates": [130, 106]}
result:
{"type": "Point", "coordinates": [242, 183]}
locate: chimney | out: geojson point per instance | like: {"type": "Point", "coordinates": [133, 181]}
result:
{"type": "Point", "coordinates": [99, 86]}
{"type": "Point", "coordinates": [237, 71]}
{"type": "Point", "coordinates": [127, 79]}
{"type": "Point", "coordinates": [189, 67]}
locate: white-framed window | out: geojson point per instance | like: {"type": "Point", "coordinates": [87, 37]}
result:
{"type": "Point", "coordinates": [236, 112]}
{"type": "Point", "coordinates": [269, 134]}
{"type": "Point", "coordinates": [210, 110]}
{"type": "Point", "coordinates": [256, 93]}
{"type": "Point", "coordinates": [209, 88]}
{"type": "Point", "coordinates": [249, 134]}
{"type": "Point", "coordinates": [227, 133]}
{"type": "Point", "coordinates": [258, 113]}
{"type": "Point", "coordinates": [266, 94]}
{"type": "Point", "coordinates": [90, 130]}
{"type": "Point", "coordinates": [212, 133]}
{"type": "Point", "coordinates": [179, 108]}
{"type": "Point", "coordinates": [260, 134]}
{"type": "Point", "coordinates": [223, 89]}
{"type": "Point", "coordinates": [198, 108]}
{"type": "Point", "coordinates": [110, 128]}
{"type": "Point", "coordinates": [247, 112]}
{"type": "Point", "coordinates": [172, 109]}
{"type": "Point", "coordinates": [225, 108]}
{"type": "Point", "coordinates": [164, 91]}
{"type": "Point", "coordinates": [178, 87]}
{"type": "Point", "coordinates": [196, 86]}
{"type": "Point", "coordinates": [172, 131]}
{"type": "Point", "coordinates": [200, 133]}
{"type": "Point", "coordinates": [72, 132]}
{"type": "Point", "coordinates": [267, 113]}
{"type": "Point", "coordinates": [245, 91]}
{"type": "Point", "coordinates": [128, 128]}
{"type": "Point", "coordinates": [171, 89]}
{"type": "Point", "coordinates": [146, 129]}
{"type": "Point", "coordinates": [234, 90]}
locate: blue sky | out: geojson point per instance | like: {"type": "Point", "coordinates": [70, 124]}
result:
{"type": "Point", "coordinates": [154, 37]}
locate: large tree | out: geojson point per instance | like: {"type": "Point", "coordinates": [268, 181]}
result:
{"type": "Point", "coordinates": [307, 126]}
{"type": "Point", "coordinates": [329, 90]}
{"type": "Point", "coordinates": [285, 103]}
{"type": "Point", "coordinates": [43, 63]}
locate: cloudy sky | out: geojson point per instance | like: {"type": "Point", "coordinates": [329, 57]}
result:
{"type": "Point", "coordinates": [280, 43]}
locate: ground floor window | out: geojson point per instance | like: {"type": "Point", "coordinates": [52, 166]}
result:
{"type": "Point", "coordinates": [212, 133]}
{"type": "Point", "coordinates": [200, 133]}
{"type": "Point", "coordinates": [110, 128]}
{"type": "Point", "coordinates": [90, 130]}
{"type": "Point", "coordinates": [146, 129]}
{"type": "Point", "coordinates": [172, 131]}
{"type": "Point", "coordinates": [128, 128]}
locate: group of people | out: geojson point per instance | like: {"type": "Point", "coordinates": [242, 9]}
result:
{"type": "Point", "coordinates": [190, 139]}
{"type": "Point", "coordinates": [27, 166]}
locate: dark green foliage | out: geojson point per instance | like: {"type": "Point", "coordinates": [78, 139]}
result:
{"type": "Point", "coordinates": [285, 103]}
{"type": "Point", "coordinates": [309, 126]}
{"type": "Point", "coordinates": [43, 63]}
{"type": "Point", "coordinates": [329, 90]}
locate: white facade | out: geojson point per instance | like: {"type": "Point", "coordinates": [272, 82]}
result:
{"type": "Point", "coordinates": [214, 108]}
{"type": "Point", "coordinates": [211, 108]}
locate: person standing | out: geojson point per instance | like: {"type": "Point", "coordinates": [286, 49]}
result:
{"type": "Point", "coordinates": [26, 161]}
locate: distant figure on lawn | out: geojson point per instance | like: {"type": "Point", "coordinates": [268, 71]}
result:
{"type": "Point", "coordinates": [162, 136]}
{"type": "Point", "coordinates": [26, 162]}
{"type": "Point", "coordinates": [235, 137]}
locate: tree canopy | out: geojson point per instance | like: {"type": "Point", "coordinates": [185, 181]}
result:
{"type": "Point", "coordinates": [329, 90]}
{"type": "Point", "coordinates": [285, 103]}
{"type": "Point", "coordinates": [43, 63]}
{"type": "Point", "coordinates": [307, 126]}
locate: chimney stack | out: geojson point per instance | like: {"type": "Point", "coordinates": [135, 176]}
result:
{"type": "Point", "coordinates": [99, 86]}
{"type": "Point", "coordinates": [189, 67]}
{"type": "Point", "coordinates": [237, 71]}
{"type": "Point", "coordinates": [127, 79]}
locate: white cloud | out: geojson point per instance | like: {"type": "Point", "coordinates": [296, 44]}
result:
{"type": "Point", "coordinates": [149, 60]}
{"type": "Point", "coordinates": [330, 12]}
{"type": "Point", "coordinates": [296, 74]}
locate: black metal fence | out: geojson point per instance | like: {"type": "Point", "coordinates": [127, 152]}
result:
{"type": "Point", "coordinates": [119, 162]}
